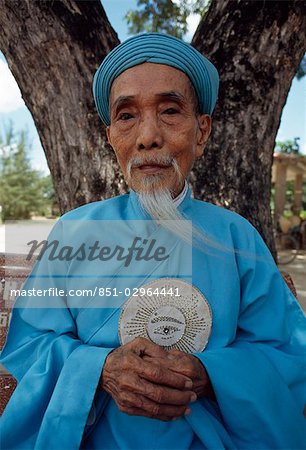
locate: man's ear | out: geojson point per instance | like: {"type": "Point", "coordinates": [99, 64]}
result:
{"type": "Point", "coordinates": [204, 130]}
{"type": "Point", "coordinates": [108, 134]}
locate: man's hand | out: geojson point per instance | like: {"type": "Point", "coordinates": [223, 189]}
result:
{"type": "Point", "coordinates": [189, 365]}
{"type": "Point", "coordinates": [141, 386]}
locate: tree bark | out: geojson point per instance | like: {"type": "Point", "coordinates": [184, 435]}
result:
{"type": "Point", "coordinates": [257, 47]}
{"type": "Point", "coordinates": [53, 48]}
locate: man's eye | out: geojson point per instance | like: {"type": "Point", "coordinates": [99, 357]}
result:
{"type": "Point", "coordinates": [125, 116]}
{"type": "Point", "coordinates": [171, 111]}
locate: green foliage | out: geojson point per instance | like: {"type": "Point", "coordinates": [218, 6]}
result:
{"type": "Point", "coordinates": [304, 198]}
{"type": "Point", "coordinates": [289, 200]}
{"type": "Point", "coordinates": [289, 194]}
{"type": "Point", "coordinates": [290, 147]}
{"type": "Point", "coordinates": [23, 190]}
{"type": "Point", "coordinates": [163, 15]}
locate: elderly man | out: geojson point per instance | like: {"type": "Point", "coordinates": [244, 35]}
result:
{"type": "Point", "coordinates": [210, 351]}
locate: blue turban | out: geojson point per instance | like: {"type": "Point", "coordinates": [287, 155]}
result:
{"type": "Point", "coordinates": [156, 48]}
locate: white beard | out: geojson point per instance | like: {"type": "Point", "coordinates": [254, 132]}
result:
{"type": "Point", "coordinates": [160, 206]}
{"type": "Point", "coordinates": [157, 201]}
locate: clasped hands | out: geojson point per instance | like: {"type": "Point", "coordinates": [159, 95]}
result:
{"type": "Point", "coordinates": [146, 380]}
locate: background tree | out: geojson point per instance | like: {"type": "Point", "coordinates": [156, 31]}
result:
{"type": "Point", "coordinates": [289, 146]}
{"type": "Point", "coordinates": [53, 49]}
{"type": "Point", "coordinates": [257, 47]}
{"type": "Point", "coordinates": [50, 203]}
{"type": "Point", "coordinates": [163, 15]}
{"type": "Point", "coordinates": [171, 17]}
{"type": "Point", "coordinates": [23, 190]}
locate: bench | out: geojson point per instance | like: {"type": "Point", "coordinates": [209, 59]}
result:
{"type": "Point", "coordinates": [13, 271]}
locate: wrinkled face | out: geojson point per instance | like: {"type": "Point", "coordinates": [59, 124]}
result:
{"type": "Point", "coordinates": [154, 126]}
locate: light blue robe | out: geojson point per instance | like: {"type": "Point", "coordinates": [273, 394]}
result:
{"type": "Point", "coordinates": [255, 357]}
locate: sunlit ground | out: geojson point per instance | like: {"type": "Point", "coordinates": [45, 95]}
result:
{"type": "Point", "coordinates": [297, 270]}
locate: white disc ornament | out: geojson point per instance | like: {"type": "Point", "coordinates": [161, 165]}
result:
{"type": "Point", "coordinates": [170, 312]}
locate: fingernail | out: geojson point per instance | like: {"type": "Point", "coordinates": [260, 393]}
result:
{"type": "Point", "coordinates": [188, 384]}
{"type": "Point", "coordinates": [174, 418]}
{"type": "Point", "coordinates": [193, 397]}
{"type": "Point", "coordinates": [187, 412]}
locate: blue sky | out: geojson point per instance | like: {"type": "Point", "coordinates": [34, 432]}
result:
{"type": "Point", "coordinates": [293, 122]}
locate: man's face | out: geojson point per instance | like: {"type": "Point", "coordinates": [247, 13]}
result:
{"type": "Point", "coordinates": [153, 119]}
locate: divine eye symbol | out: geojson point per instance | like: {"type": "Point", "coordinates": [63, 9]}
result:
{"type": "Point", "coordinates": [166, 324]}
{"type": "Point", "coordinates": [165, 331]}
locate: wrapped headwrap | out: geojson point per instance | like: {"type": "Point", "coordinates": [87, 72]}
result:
{"type": "Point", "coordinates": [156, 48]}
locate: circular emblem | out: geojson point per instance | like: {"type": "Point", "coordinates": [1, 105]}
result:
{"type": "Point", "coordinates": [170, 312]}
{"type": "Point", "coordinates": [166, 326]}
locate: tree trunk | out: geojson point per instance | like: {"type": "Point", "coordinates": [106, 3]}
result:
{"type": "Point", "coordinates": [257, 47]}
{"type": "Point", "coordinates": [53, 49]}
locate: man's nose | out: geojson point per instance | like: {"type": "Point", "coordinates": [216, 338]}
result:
{"type": "Point", "coordinates": [149, 134]}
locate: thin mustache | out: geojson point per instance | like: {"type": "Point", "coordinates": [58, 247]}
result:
{"type": "Point", "coordinates": [160, 161]}
{"type": "Point", "coordinates": [150, 163]}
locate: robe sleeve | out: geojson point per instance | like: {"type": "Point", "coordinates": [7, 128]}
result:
{"type": "Point", "coordinates": [260, 378]}
{"type": "Point", "coordinates": [57, 373]}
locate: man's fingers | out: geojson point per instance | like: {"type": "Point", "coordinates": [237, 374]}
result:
{"type": "Point", "coordinates": [142, 346]}
{"type": "Point", "coordinates": [130, 401]}
{"type": "Point", "coordinates": [162, 375]}
{"type": "Point", "coordinates": [155, 373]}
{"type": "Point", "coordinates": [176, 362]}
{"type": "Point", "coordinates": [159, 394]}
{"type": "Point", "coordinates": [134, 357]}
{"type": "Point", "coordinates": [164, 395]}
